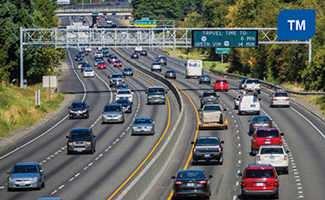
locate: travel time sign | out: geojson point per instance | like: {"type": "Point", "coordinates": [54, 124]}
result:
{"type": "Point", "coordinates": [224, 38]}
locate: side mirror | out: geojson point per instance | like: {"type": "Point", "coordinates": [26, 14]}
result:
{"type": "Point", "coordinates": [146, 92]}
{"type": "Point", "coordinates": [94, 136]}
{"type": "Point", "coordinates": [41, 171]}
{"type": "Point", "coordinates": [166, 92]}
{"type": "Point", "coordinates": [153, 122]}
{"type": "Point", "coordinates": [240, 174]}
{"type": "Point", "coordinates": [8, 172]}
{"type": "Point", "coordinates": [222, 142]}
{"type": "Point", "coordinates": [108, 77]}
{"type": "Point", "coordinates": [234, 97]}
{"type": "Point", "coordinates": [69, 107]}
{"type": "Point", "coordinates": [200, 96]}
{"type": "Point", "coordinates": [282, 134]}
{"type": "Point", "coordinates": [287, 151]}
{"type": "Point", "coordinates": [87, 106]}
{"type": "Point", "coordinates": [210, 176]}
{"type": "Point", "coordinates": [218, 95]}
{"type": "Point", "coordinates": [225, 109]}
{"type": "Point", "coordinates": [173, 177]}
{"type": "Point", "coordinates": [67, 136]}
{"type": "Point", "coordinates": [259, 99]}
{"type": "Point", "coordinates": [200, 109]}
{"type": "Point", "coordinates": [192, 142]}
{"type": "Point", "coordinates": [249, 121]}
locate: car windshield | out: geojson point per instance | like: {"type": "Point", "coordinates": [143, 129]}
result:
{"type": "Point", "coordinates": [156, 90]}
{"type": "Point", "coordinates": [142, 121]}
{"type": "Point", "coordinates": [78, 105]}
{"type": "Point", "coordinates": [261, 119]}
{"type": "Point", "coordinates": [278, 94]}
{"type": "Point", "coordinates": [272, 151]}
{"type": "Point", "coordinates": [221, 81]}
{"type": "Point", "coordinates": [122, 101]}
{"type": "Point", "coordinates": [24, 169]}
{"type": "Point", "coordinates": [212, 94]}
{"type": "Point", "coordinates": [123, 92]}
{"type": "Point", "coordinates": [113, 57]}
{"type": "Point", "coordinates": [101, 63]}
{"type": "Point", "coordinates": [117, 76]}
{"type": "Point", "coordinates": [161, 57]}
{"type": "Point", "coordinates": [86, 65]}
{"type": "Point", "coordinates": [112, 109]}
{"type": "Point", "coordinates": [249, 81]}
{"type": "Point", "coordinates": [267, 134]}
{"type": "Point", "coordinates": [207, 142]}
{"type": "Point", "coordinates": [211, 108]}
{"type": "Point", "coordinates": [80, 135]}
{"type": "Point", "coordinates": [88, 70]}
{"type": "Point", "coordinates": [205, 76]}
{"type": "Point", "coordinates": [190, 175]}
{"type": "Point", "coordinates": [259, 173]}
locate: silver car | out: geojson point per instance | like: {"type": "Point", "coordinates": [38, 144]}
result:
{"type": "Point", "coordinates": [143, 125]}
{"type": "Point", "coordinates": [280, 98]}
{"type": "Point", "coordinates": [116, 79]}
{"type": "Point", "coordinates": [113, 113]}
{"type": "Point", "coordinates": [26, 175]}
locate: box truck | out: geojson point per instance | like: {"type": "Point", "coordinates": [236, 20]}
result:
{"type": "Point", "coordinates": [193, 68]}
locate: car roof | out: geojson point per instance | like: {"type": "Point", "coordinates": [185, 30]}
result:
{"type": "Point", "coordinates": [143, 118]}
{"type": "Point", "coordinates": [117, 74]}
{"type": "Point", "coordinates": [260, 116]}
{"type": "Point", "coordinates": [26, 163]}
{"type": "Point", "coordinates": [156, 87]}
{"type": "Point", "coordinates": [209, 92]}
{"type": "Point", "coordinates": [268, 129]}
{"type": "Point", "coordinates": [191, 170]}
{"type": "Point", "coordinates": [80, 129]}
{"type": "Point", "coordinates": [255, 166]}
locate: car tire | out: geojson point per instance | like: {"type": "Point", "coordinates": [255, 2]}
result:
{"type": "Point", "coordinates": [175, 77]}
{"type": "Point", "coordinates": [258, 113]}
{"type": "Point", "coordinates": [240, 112]}
{"type": "Point", "coordinates": [276, 196]}
{"type": "Point", "coordinates": [252, 151]}
{"type": "Point", "coordinates": [194, 161]}
{"type": "Point", "coordinates": [199, 82]}
{"type": "Point", "coordinates": [226, 127]}
{"type": "Point", "coordinates": [243, 196]}
{"type": "Point", "coordinates": [69, 152]}
{"type": "Point", "coordinates": [160, 70]}
{"type": "Point", "coordinates": [209, 82]}
{"type": "Point", "coordinates": [9, 189]}
{"type": "Point", "coordinates": [43, 184]}
{"type": "Point", "coordinates": [39, 186]}
{"type": "Point", "coordinates": [286, 171]}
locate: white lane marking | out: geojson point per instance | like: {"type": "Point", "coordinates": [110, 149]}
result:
{"type": "Point", "coordinates": [54, 192]}
{"type": "Point", "coordinates": [2, 187]}
{"type": "Point", "coordinates": [61, 187]}
{"type": "Point", "coordinates": [77, 175]}
{"type": "Point", "coordinates": [71, 179]}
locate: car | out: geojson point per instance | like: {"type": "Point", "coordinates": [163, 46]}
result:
{"type": "Point", "coordinates": [105, 54]}
{"type": "Point", "coordinates": [81, 140]}
{"type": "Point", "coordinates": [101, 65]}
{"type": "Point", "coordinates": [261, 121]}
{"type": "Point", "coordinates": [81, 17]}
{"type": "Point", "coordinates": [207, 148]}
{"type": "Point", "coordinates": [78, 109]}
{"type": "Point", "coordinates": [97, 61]}
{"type": "Point", "coordinates": [280, 98]}
{"type": "Point", "coordinates": [209, 97]}
{"type": "Point", "coordinates": [124, 94]}
{"type": "Point", "coordinates": [88, 73]}
{"type": "Point", "coordinates": [80, 64]}
{"type": "Point", "coordinates": [221, 84]}
{"type": "Point", "coordinates": [237, 99]}
{"type": "Point", "coordinates": [84, 67]}
{"type": "Point", "coordinates": [170, 74]}
{"type": "Point", "coordinates": [113, 25]}
{"type": "Point", "coordinates": [78, 57]}
{"type": "Point", "coordinates": [127, 71]}
{"type": "Point", "coordinates": [122, 86]}
{"type": "Point", "coordinates": [242, 82]}
{"type": "Point", "coordinates": [205, 79]}
{"type": "Point", "coordinates": [97, 17]}
{"type": "Point", "coordinates": [162, 59]}
{"type": "Point", "coordinates": [249, 104]}
{"type": "Point", "coordinates": [143, 53]}
{"type": "Point", "coordinates": [112, 113]}
{"type": "Point", "coordinates": [102, 15]}
{"type": "Point", "coordinates": [109, 21]}
{"type": "Point", "coordinates": [138, 49]}
{"type": "Point", "coordinates": [85, 52]}
{"type": "Point", "coordinates": [274, 155]}
{"type": "Point", "coordinates": [134, 55]}
{"type": "Point", "coordinates": [143, 125]}
{"type": "Point", "coordinates": [117, 63]}
{"type": "Point", "coordinates": [156, 66]}
{"type": "Point", "coordinates": [26, 175]}
{"type": "Point", "coordinates": [82, 53]}
{"type": "Point", "coordinates": [265, 136]}
{"type": "Point", "coordinates": [192, 183]}
{"type": "Point", "coordinates": [112, 59]}
{"type": "Point", "coordinates": [252, 84]}
{"type": "Point", "coordinates": [99, 55]}
{"type": "Point", "coordinates": [105, 49]}
{"type": "Point", "coordinates": [126, 105]}
{"type": "Point", "coordinates": [116, 78]}
{"type": "Point", "coordinates": [88, 48]}
{"type": "Point", "coordinates": [259, 180]}
{"type": "Point", "coordinates": [156, 95]}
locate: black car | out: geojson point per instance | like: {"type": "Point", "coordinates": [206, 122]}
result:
{"type": "Point", "coordinates": [82, 53]}
{"type": "Point", "coordinates": [127, 71]}
{"type": "Point", "coordinates": [192, 182]}
{"type": "Point", "coordinates": [78, 110]}
{"type": "Point", "coordinates": [260, 121]}
{"type": "Point", "coordinates": [135, 55]}
{"type": "Point", "coordinates": [84, 66]}
{"type": "Point", "coordinates": [78, 57]}
{"type": "Point", "coordinates": [207, 148]}
{"type": "Point", "coordinates": [170, 74]}
{"type": "Point", "coordinates": [209, 97]}
{"type": "Point", "coordinates": [126, 105]}
{"type": "Point", "coordinates": [81, 140]}
{"type": "Point", "coordinates": [105, 53]}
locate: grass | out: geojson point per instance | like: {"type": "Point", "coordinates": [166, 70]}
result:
{"type": "Point", "coordinates": [17, 107]}
{"type": "Point", "coordinates": [318, 100]}
{"type": "Point", "coordinates": [207, 63]}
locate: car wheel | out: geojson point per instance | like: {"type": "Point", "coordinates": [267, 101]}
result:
{"type": "Point", "coordinates": [69, 152]}
{"type": "Point", "coordinates": [288, 106]}
{"type": "Point", "coordinates": [160, 70]}
{"type": "Point", "coordinates": [286, 171]}
{"type": "Point", "coordinates": [252, 151]}
{"type": "Point", "coordinates": [276, 196]}
{"type": "Point", "coordinates": [194, 161]}
{"type": "Point", "coordinates": [9, 189]}
{"type": "Point", "coordinates": [43, 185]}
{"type": "Point", "coordinates": [131, 74]}
{"type": "Point", "coordinates": [39, 187]}
{"type": "Point", "coordinates": [175, 77]}
{"type": "Point", "coordinates": [243, 196]}
{"type": "Point", "coordinates": [226, 90]}
{"type": "Point", "coordinates": [226, 127]}
{"type": "Point", "coordinates": [199, 82]}
{"type": "Point", "coordinates": [209, 82]}
{"type": "Point", "coordinates": [258, 113]}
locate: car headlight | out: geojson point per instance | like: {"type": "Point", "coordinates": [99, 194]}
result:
{"type": "Point", "coordinates": [10, 179]}
{"type": "Point", "coordinates": [71, 111]}
{"type": "Point", "coordinates": [127, 107]}
{"type": "Point", "coordinates": [89, 143]}
{"type": "Point", "coordinates": [84, 111]}
{"type": "Point", "coordinates": [70, 143]}
{"type": "Point", "coordinates": [35, 179]}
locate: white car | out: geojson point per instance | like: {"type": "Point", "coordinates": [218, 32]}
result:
{"type": "Point", "coordinates": [89, 73]}
{"type": "Point", "coordinates": [99, 54]}
{"type": "Point", "coordinates": [252, 84]}
{"type": "Point", "coordinates": [108, 21]}
{"type": "Point", "coordinates": [124, 94]}
{"type": "Point", "coordinates": [156, 66]}
{"type": "Point", "coordinates": [249, 104]}
{"type": "Point", "coordinates": [280, 98]}
{"type": "Point", "coordinates": [138, 49]}
{"type": "Point", "coordinates": [274, 155]}
{"type": "Point", "coordinates": [88, 48]}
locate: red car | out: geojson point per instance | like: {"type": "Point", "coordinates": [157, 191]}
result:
{"type": "Point", "coordinates": [97, 17]}
{"type": "Point", "coordinates": [260, 180]}
{"type": "Point", "coordinates": [143, 53]}
{"type": "Point", "coordinates": [265, 136]}
{"type": "Point", "coordinates": [221, 84]}
{"type": "Point", "coordinates": [101, 65]}
{"type": "Point", "coordinates": [117, 63]}
{"type": "Point", "coordinates": [102, 15]}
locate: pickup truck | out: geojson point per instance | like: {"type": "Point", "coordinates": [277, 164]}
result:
{"type": "Point", "coordinates": [213, 116]}
{"type": "Point", "coordinates": [207, 148]}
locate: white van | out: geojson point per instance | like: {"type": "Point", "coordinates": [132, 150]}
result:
{"type": "Point", "coordinates": [193, 68]}
{"type": "Point", "coordinates": [249, 104]}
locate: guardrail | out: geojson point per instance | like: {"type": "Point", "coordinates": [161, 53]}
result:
{"type": "Point", "coordinates": [145, 179]}
{"type": "Point", "coordinates": [270, 85]}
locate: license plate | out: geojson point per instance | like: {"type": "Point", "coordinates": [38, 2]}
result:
{"type": "Point", "coordinates": [111, 118]}
{"type": "Point", "coordinates": [207, 155]}
{"type": "Point", "coordinates": [79, 150]}
{"type": "Point", "coordinates": [78, 114]}
{"type": "Point", "coordinates": [259, 184]}
{"type": "Point", "coordinates": [190, 184]}
{"type": "Point", "coordinates": [22, 184]}
{"type": "Point", "coordinates": [253, 105]}
{"type": "Point", "coordinates": [272, 157]}
{"type": "Point", "coordinates": [267, 142]}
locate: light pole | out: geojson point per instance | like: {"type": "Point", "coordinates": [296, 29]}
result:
{"type": "Point", "coordinates": [82, 7]}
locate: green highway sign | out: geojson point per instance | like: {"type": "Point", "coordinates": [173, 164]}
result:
{"type": "Point", "coordinates": [145, 18]}
{"type": "Point", "coordinates": [95, 12]}
{"type": "Point", "coordinates": [225, 38]}
{"type": "Point", "coordinates": [223, 50]}
{"type": "Point", "coordinates": [145, 23]}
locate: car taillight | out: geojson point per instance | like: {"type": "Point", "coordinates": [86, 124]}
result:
{"type": "Point", "coordinates": [243, 183]}
{"type": "Point", "coordinates": [276, 183]}
{"type": "Point", "coordinates": [241, 101]}
{"type": "Point", "coordinates": [274, 99]}
{"type": "Point", "coordinates": [287, 99]}
{"type": "Point", "coordinates": [259, 86]}
{"type": "Point", "coordinates": [285, 157]}
{"type": "Point", "coordinates": [253, 124]}
{"type": "Point", "coordinates": [201, 99]}
{"type": "Point", "coordinates": [258, 100]}
{"type": "Point", "coordinates": [269, 123]}
{"type": "Point", "coordinates": [259, 158]}
{"type": "Point", "coordinates": [178, 182]}
{"type": "Point", "coordinates": [174, 74]}
{"type": "Point", "coordinates": [245, 86]}
{"type": "Point", "coordinates": [202, 182]}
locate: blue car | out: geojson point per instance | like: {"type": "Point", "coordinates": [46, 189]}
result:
{"type": "Point", "coordinates": [143, 125]}
{"type": "Point", "coordinates": [126, 105]}
{"type": "Point", "coordinates": [128, 72]}
{"type": "Point", "coordinates": [205, 79]}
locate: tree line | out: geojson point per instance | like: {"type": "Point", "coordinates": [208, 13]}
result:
{"type": "Point", "coordinates": [275, 63]}
{"type": "Point", "coordinates": [37, 61]}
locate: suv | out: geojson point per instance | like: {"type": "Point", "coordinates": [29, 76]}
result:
{"type": "Point", "coordinates": [260, 180]}
{"type": "Point", "coordinates": [113, 113]}
{"type": "Point", "coordinates": [156, 94]}
{"type": "Point", "coordinates": [116, 78]}
{"type": "Point", "coordinates": [265, 136]}
{"type": "Point", "coordinates": [81, 140]}
{"type": "Point", "coordinates": [280, 98]}
{"type": "Point", "coordinates": [209, 97]}
{"type": "Point", "coordinates": [207, 148]}
{"type": "Point", "coordinates": [156, 66]}
{"type": "Point", "coordinates": [162, 59]}
{"type": "Point", "coordinates": [252, 84]}
{"type": "Point", "coordinates": [274, 155]}
{"type": "Point", "coordinates": [78, 110]}
{"type": "Point", "coordinates": [249, 104]}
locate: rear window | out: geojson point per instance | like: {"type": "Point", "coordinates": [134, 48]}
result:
{"type": "Point", "coordinates": [272, 151]}
{"type": "Point", "coordinates": [259, 173]}
{"type": "Point", "coordinates": [221, 81]}
{"type": "Point", "coordinates": [210, 94]}
{"type": "Point", "coordinates": [281, 94]}
{"type": "Point", "coordinates": [190, 175]}
{"type": "Point", "coordinates": [123, 92]}
{"type": "Point", "coordinates": [252, 81]}
{"type": "Point", "coordinates": [208, 108]}
{"type": "Point", "coordinates": [261, 119]}
{"type": "Point", "coordinates": [267, 134]}
{"type": "Point", "coordinates": [78, 105]}
{"type": "Point", "coordinates": [207, 141]}
{"type": "Point", "coordinates": [117, 76]}
{"type": "Point", "coordinates": [156, 63]}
